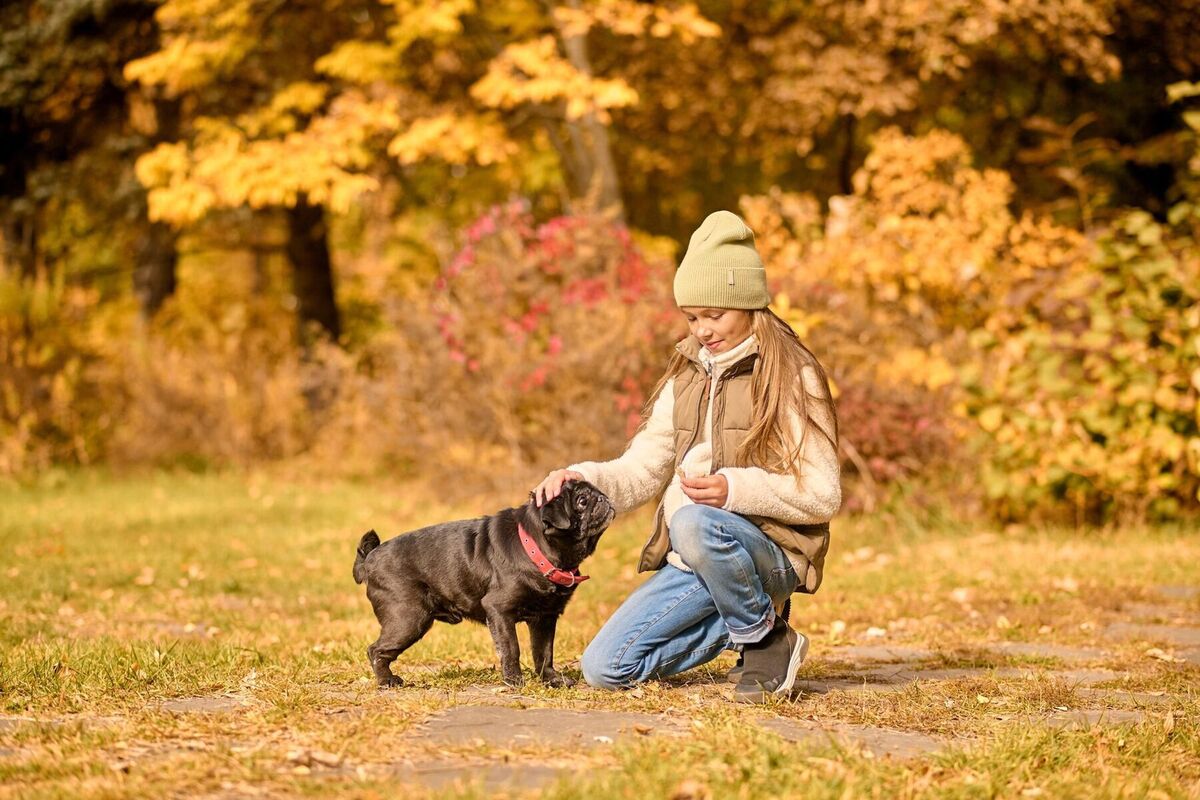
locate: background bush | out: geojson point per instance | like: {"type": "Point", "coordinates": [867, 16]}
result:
{"type": "Point", "coordinates": [436, 238]}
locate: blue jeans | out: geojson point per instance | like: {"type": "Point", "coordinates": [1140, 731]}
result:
{"type": "Point", "coordinates": [677, 620]}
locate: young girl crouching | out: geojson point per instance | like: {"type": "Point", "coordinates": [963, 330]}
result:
{"type": "Point", "coordinates": [740, 444]}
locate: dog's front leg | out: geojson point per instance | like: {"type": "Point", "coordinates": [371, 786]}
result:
{"type": "Point", "coordinates": [503, 627]}
{"type": "Point", "coordinates": [541, 638]}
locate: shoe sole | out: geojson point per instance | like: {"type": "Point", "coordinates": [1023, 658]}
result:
{"type": "Point", "coordinates": [799, 653]}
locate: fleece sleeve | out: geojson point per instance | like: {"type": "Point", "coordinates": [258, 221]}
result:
{"type": "Point", "coordinates": [644, 469]}
{"type": "Point", "coordinates": [817, 496]}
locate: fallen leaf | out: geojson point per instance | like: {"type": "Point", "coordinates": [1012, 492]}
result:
{"type": "Point", "coordinates": [982, 699]}
{"type": "Point", "coordinates": [1169, 722]}
{"type": "Point", "coordinates": [875, 633]}
{"type": "Point", "coordinates": [1163, 655]}
{"type": "Point", "coordinates": [691, 790]}
{"type": "Point", "coordinates": [324, 758]}
{"type": "Point", "coordinates": [1067, 584]}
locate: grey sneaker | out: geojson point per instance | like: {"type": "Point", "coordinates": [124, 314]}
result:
{"type": "Point", "coordinates": [771, 664]}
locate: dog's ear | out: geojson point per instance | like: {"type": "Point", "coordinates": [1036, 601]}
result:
{"type": "Point", "coordinates": [557, 513]}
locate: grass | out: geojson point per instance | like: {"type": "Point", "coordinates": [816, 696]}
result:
{"type": "Point", "coordinates": [122, 592]}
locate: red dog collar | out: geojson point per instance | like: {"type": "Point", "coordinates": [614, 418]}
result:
{"type": "Point", "coordinates": [556, 575]}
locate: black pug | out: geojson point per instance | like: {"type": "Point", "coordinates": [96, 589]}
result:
{"type": "Point", "coordinates": [480, 569]}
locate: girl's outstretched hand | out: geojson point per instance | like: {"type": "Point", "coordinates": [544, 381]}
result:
{"type": "Point", "coordinates": [706, 490]}
{"type": "Point", "coordinates": [551, 485]}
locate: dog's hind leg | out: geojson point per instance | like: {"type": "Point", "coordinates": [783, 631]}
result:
{"type": "Point", "coordinates": [541, 640]}
{"type": "Point", "coordinates": [398, 634]}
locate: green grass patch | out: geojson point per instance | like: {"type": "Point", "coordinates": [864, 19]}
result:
{"type": "Point", "coordinates": [122, 593]}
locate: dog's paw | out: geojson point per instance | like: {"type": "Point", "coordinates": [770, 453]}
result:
{"type": "Point", "coordinates": [558, 681]}
{"type": "Point", "coordinates": [391, 682]}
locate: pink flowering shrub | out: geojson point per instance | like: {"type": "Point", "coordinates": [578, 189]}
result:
{"type": "Point", "coordinates": [552, 334]}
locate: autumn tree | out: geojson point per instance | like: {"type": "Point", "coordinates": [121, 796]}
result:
{"type": "Point", "coordinates": [70, 132]}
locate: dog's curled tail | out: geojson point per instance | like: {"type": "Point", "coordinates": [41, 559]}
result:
{"type": "Point", "coordinates": [366, 544]}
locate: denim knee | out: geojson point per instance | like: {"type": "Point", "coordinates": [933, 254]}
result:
{"type": "Point", "coordinates": [692, 531]}
{"type": "Point", "coordinates": [598, 669]}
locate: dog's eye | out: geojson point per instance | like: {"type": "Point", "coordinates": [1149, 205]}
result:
{"type": "Point", "coordinates": [581, 503]}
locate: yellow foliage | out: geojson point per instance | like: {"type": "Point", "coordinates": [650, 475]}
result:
{"type": "Point", "coordinates": [202, 40]}
{"type": "Point", "coordinates": [225, 168]}
{"type": "Point", "coordinates": [909, 365]}
{"type": "Point", "coordinates": [360, 62]}
{"type": "Point", "coordinates": [631, 18]}
{"type": "Point", "coordinates": [534, 72]}
{"type": "Point", "coordinates": [435, 20]}
{"type": "Point", "coordinates": [453, 138]}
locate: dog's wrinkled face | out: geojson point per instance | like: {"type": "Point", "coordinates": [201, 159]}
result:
{"type": "Point", "coordinates": [581, 511]}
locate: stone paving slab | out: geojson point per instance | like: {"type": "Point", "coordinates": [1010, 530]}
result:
{"type": "Point", "coordinates": [203, 705]}
{"type": "Point", "coordinates": [491, 777]}
{"type": "Point", "coordinates": [1187, 637]}
{"type": "Point", "coordinates": [894, 677]}
{"type": "Point", "coordinates": [903, 675]}
{"type": "Point", "coordinates": [879, 741]}
{"type": "Point", "coordinates": [1178, 592]}
{"type": "Point", "coordinates": [1121, 695]}
{"type": "Point", "coordinates": [12, 723]}
{"type": "Point", "coordinates": [503, 726]}
{"type": "Point", "coordinates": [828, 685]}
{"type": "Point", "coordinates": [1160, 613]}
{"type": "Point", "coordinates": [1089, 718]}
{"type": "Point", "coordinates": [879, 652]}
{"type": "Point", "coordinates": [1049, 650]}
{"type": "Point", "coordinates": [15, 723]}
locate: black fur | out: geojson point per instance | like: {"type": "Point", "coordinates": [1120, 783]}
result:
{"type": "Point", "coordinates": [475, 569]}
{"type": "Point", "coordinates": [366, 544]}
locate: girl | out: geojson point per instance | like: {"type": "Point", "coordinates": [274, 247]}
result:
{"type": "Point", "coordinates": [740, 439]}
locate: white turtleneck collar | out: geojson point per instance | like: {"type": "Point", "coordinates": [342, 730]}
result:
{"type": "Point", "coordinates": [718, 362]}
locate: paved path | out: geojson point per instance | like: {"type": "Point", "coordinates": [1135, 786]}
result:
{"type": "Point", "coordinates": [483, 720]}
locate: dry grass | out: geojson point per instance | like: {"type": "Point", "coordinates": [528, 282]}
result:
{"type": "Point", "coordinates": [122, 593]}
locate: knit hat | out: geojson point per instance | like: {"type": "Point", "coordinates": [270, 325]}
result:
{"type": "Point", "coordinates": [721, 268]}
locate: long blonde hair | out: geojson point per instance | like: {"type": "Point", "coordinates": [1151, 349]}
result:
{"type": "Point", "coordinates": [777, 391]}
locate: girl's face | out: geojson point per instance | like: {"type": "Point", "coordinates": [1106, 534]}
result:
{"type": "Point", "coordinates": [718, 329]}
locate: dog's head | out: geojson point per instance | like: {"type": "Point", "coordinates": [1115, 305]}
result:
{"type": "Point", "coordinates": [581, 512]}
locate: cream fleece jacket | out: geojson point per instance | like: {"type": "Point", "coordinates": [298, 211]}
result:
{"type": "Point", "coordinates": [645, 468]}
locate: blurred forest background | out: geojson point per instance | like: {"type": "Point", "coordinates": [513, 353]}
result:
{"type": "Point", "coordinates": [436, 237]}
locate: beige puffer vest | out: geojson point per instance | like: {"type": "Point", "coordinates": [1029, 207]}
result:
{"type": "Point", "coordinates": [804, 545]}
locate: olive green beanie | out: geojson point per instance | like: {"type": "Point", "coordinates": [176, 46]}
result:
{"type": "Point", "coordinates": [721, 268]}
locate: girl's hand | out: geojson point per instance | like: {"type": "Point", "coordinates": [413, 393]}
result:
{"type": "Point", "coordinates": [707, 490]}
{"type": "Point", "coordinates": [551, 485]}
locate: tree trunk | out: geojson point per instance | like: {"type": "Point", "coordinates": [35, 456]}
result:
{"type": "Point", "coordinates": [20, 242]}
{"type": "Point", "coordinates": [312, 270]}
{"type": "Point", "coordinates": [593, 160]}
{"type": "Point", "coordinates": [846, 162]}
{"type": "Point", "coordinates": [154, 269]}
{"type": "Point", "coordinates": [156, 253]}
